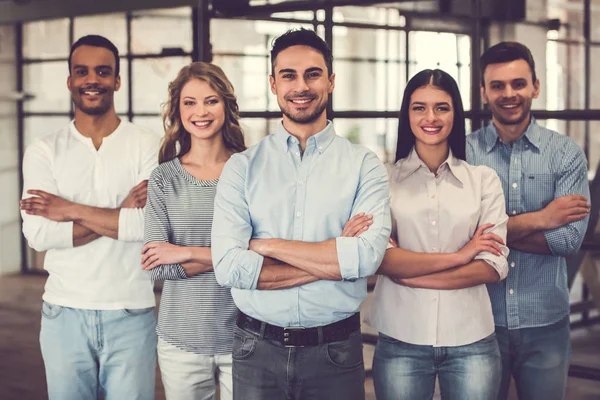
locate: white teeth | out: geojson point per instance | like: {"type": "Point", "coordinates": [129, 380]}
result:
{"type": "Point", "coordinates": [201, 124]}
{"type": "Point", "coordinates": [431, 129]}
{"type": "Point", "coordinates": [92, 93]}
{"type": "Point", "coordinates": [301, 101]}
{"type": "Point", "coordinates": [509, 106]}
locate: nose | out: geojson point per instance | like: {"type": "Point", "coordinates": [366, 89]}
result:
{"type": "Point", "coordinates": [301, 85]}
{"type": "Point", "coordinates": [508, 91]}
{"type": "Point", "coordinates": [430, 115]}
{"type": "Point", "coordinates": [92, 77]}
{"type": "Point", "coordinates": [201, 109]}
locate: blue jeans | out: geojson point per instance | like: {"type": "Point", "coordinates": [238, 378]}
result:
{"type": "Point", "coordinates": [538, 359]}
{"type": "Point", "coordinates": [92, 353]}
{"type": "Point", "coordinates": [407, 371]}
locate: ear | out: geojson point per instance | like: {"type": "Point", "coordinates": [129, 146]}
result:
{"type": "Point", "coordinates": [331, 83]}
{"type": "Point", "coordinates": [483, 94]}
{"type": "Point", "coordinates": [536, 88]}
{"type": "Point", "coordinates": [69, 82]}
{"type": "Point", "coordinates": [272, 84]}
{"type": "Point", "coordinates": [117, 83]}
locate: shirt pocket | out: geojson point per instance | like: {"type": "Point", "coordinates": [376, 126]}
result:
{"type": "Point", "coordinates": [538, 190]}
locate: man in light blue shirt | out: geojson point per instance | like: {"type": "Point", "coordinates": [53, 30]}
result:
{"type": "Point", "coordinates": [544, 178]}
{"type": "Point", "coordinates": [280, 212]}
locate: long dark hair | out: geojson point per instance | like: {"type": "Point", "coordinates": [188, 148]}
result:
{"type": "Point", "coordinates": [177, 141]}
{"type": "Point", "coordinates": [443, 81]}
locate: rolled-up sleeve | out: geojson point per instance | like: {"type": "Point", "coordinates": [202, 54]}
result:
{"type": "Point", "coordinates": [361, 256]}
{"type": "Point", "coordinates": [156, 229]}
{"type": "Point", "coordinates": [572, 179]}
{"type": "Point", "coordinates": [42, 234]}
{"type": "Point", "coordinates": [493, 211]}
{"type": "Point", "coordinates": [234, 265]}
{"type": "Point", "coordinates": [131, 220]}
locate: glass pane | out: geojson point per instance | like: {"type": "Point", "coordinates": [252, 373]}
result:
{"type": "Point", "coordinates": [379, 85]}
{"type": "Point", "coordinates": [374, 133]}
{"type": "Point", "coordinates": [594, 158]}
{"type": "Point", "coordinates": [47, 82]}
{"type": "Point", "coordinates": [121, 97]}
{"type": "Point", "coordinates": [594, 77]}
{"type": "Point", "coordinates": [564, 70]}
{"type": "Point", "coordinates": [301, 15]}
{"type": "Point", "coordinates": [46, 39]}
{"type": "Point", "coordinates": [152, 77]}
{"type": "Point", "coordinates": [249, 77]}
{"type": "Point", "coordinates": [148, 31]}
{"type": "Point", "coordinates": [368, 43]}
{"type": "Point", "coordinates": [365, 15]}
{"type": "Point", "coordinates": [111, 26]}
{"type": "Point", "coordinates": [254, 130]}
{"type": "Point", "coordinates": [247, 37]}
{"type": "Point", "coordinates": [37, 127]}
{"type": "Point", "coordinates": [152, 123]}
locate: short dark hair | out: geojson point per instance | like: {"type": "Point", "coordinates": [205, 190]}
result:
{"type": "Point", "coordinates": [301, 37]}
{"type": "Point", "coordinates": [96, 41]}
{"type": "Point", "coordinates": [506, 52]}
{"type": "Point", "coordinates": [443, 81]}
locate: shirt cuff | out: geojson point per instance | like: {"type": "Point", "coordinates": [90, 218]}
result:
{"type": "Point", "coordinates": [249, 265]}
{"type": "Point", "coordinates": [499, 263]}
{"type": "Point", "coordinates": [131, 224]}
{"type": "Point", "coordinates": [63, 237]}
{"type": "Point", "coordinates": [348, 257]}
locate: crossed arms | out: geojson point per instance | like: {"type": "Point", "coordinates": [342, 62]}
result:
{"type": "Point", "coordinates": [243, 263]}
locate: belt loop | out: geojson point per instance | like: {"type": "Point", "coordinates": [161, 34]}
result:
{"type": "Point", "coordinates": [320, 333]}
{"type": "Point", "coordinates": [261, 334]}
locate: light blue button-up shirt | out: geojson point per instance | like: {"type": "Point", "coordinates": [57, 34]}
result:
{"type": "Point", "coordinates": [539, 167]}
{"type": "Point", "coordinates": [272, 190]}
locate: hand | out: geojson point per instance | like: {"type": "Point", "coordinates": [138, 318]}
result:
{"type": "Point", "coordinates": [392, 242]}
{"type": "Point", "coordinates": [481, 242]}
{"type": "Point", "coordinates": [137, 196]}
{"type": "Point", "coordinates": [564, 210]}
{"type": "Point", "coordinates": [260, 246]}
{"type": "Point", "coordinates": [408, 282]}
{"type": "Point", "coordinates": [160, 253]}
{"type": "Point", "coordinates": [48, 205]}
{"type": "Point", "coordinates": [357, 225]}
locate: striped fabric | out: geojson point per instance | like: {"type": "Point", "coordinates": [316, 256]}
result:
{"type": "Point", "coordinates": [196, 314]}
{"type": "Point", "coordinates": [539, 167]}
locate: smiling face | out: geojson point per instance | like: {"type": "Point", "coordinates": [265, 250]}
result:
{"type": "Point", "coordinates": [301, 84]}
{"type": "Point", "coordinates": [92, 82]}
{"type": "Point", "coordinates": [509, 91]}
{"type": "Point", "coordinates": [431, 116]}
{"type": "Point", "coordinates": [201, 109]}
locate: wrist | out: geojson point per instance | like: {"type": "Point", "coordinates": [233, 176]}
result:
{"type": "Point", "coordinates": [540, 222]}
{"type": "Point", "coordinates": [74, 212]}
{"type": "Point", "coordinates": [457, 259]}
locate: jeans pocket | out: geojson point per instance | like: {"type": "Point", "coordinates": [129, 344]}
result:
{"type": "Point", "coordinates": [347, 353]}
{"type": "Point", "coordinates": [133, 312]}
{"type": "Point", "coordinates": [51, 311]}
{"type": "Point", "coordinates": [244, 344]}
{"type": "Point", "coordinates": [488, 339]}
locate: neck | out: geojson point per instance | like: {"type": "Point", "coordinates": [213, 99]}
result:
{"type": "Point", "coordinates": [205, 152]}
{"type": "Point", "coordinates": [510, 133]}
{"type": "Point", "coordinates": [432, 155]}
{"type": "Point", "coordinates": [303, 131]}
{"type": "Point", "coordinates": [96, 127]}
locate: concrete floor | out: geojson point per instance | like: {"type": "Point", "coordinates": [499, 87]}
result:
{"type": "Point", "coordinates": [22, 371]}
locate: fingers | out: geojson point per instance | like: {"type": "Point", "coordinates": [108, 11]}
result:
{"type": "Point", "coordinates": [493, 236]}
{"type": "Point", "coordinates": [151, 263]}
{"type": "Point", "coordinates": [357, 224]}
{"type": "Point", "coordinates": [489, 245]}
{"type": "Point", "coordinates": [39, 193]}
{"type": "Point", "coordinates": [33, 202]}
{"type": "Point", "coordinates": [482, 228]}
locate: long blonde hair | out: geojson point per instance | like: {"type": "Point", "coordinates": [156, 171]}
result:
{"type": "Point", "coordinates": [177, 141]}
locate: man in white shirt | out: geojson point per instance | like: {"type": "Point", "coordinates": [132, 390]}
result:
{"type": "Point", "coordinates": [83, 198]}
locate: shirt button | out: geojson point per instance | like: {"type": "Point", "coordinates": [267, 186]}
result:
{"type": "Point", "coordinates": [514, 185]}
{"type": "Point", "coordinates": [512, 264]}
{"type": "Point", "coordinates": [300, 182]}
{"type": "Point", "coordinates": [432, 222]}
{"type": "Point", "coordinates": [514, 212]}
{"type": "Point", "coordinates": [321, 148]}
{"type": "Point", "coordinates": [526, 146]}
{"type": "Point", "coordinates": [433, 196]}
{"type": "Point", "coordinates": [298, 214]}
{"type": "Point", "coordinates": [511, 291]}
{"type": "Point", "coordinates": [297, 153]}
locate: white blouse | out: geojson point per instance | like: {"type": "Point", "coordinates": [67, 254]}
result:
{"type": "Point", "coordinates": [440, 214]}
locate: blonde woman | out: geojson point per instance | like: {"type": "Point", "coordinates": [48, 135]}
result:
{"type": "Point", "coordinates": [197, 316]}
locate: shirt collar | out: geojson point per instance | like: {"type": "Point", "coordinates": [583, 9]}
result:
{"type": "Point", "coordinates": [413, 163]}
{"type": "Point", "coordinates": [320, 140]}
{"type": "Point", "coordinates": [531, 134]}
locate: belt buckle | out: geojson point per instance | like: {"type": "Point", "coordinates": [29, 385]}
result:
{"type": "Point", "coordinates": [288, 333]}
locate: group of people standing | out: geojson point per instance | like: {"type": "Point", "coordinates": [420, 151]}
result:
{"type": "Point", "coordinates": [264, 252]}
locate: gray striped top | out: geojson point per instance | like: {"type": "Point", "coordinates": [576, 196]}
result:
{"type": "Point", "coordinates": [196, 314]}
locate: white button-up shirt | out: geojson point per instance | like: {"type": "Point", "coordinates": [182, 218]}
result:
{"type": "Point", "coordinates": [434, 213]}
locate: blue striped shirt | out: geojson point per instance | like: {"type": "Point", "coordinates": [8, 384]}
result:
{"type": "Point", "coordinates": [539, 167]}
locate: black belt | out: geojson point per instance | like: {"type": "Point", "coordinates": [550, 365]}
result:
{"type": "Point", "coordinates": [298, 336]}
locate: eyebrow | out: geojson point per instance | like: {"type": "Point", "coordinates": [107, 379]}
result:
{"type": "Point", "coordinates": [206, 98]}
{"type": "Point", "coordinates": [291, 70]}
{"type": "Point", "coordinates": [512, 80]}
{"type": "Point", "coordinates": [96, 67]}
{"type": "Point", "coordinates": [420, 103]}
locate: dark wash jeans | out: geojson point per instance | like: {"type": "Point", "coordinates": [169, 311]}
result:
{"type": "Point", "coordinates": [538, 359]}
{"type": "Point", "coordinates": [266, 370]}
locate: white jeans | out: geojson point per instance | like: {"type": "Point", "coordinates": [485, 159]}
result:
{"type": "Point", "coordinates": [189, 376]}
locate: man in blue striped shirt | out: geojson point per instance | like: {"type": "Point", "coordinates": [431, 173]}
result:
{"type": "Point", "coordinates": [544, 177]}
